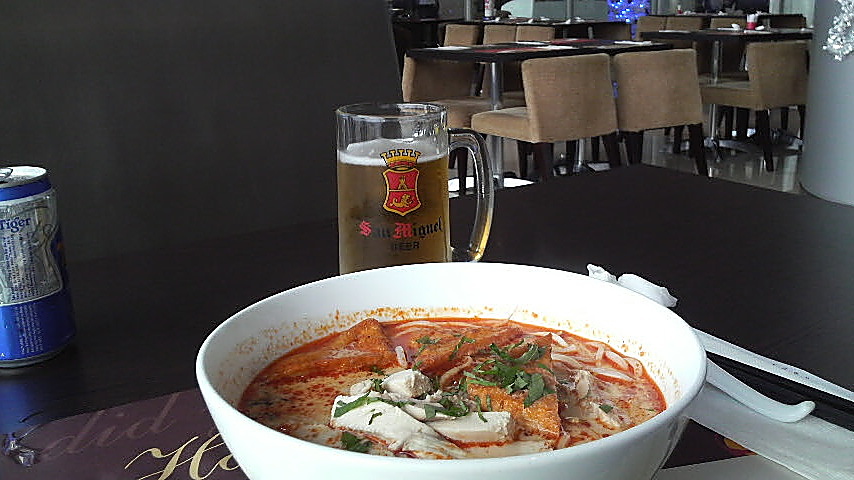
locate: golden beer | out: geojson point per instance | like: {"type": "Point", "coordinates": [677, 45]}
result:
{"type": "Point", "coordinates": [393, 186]}
{"type": "Point", "coordinates": [377, 225]}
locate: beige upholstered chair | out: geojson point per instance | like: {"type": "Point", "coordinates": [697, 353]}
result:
{"type": "Point", "coordinates": [567, 98]}
{"type": "Point", "coordinates": [527, 33]}
{"type": "Point", "coordinates": [657, 90]}
{"type": "Point", "coordinates": [649, 23]}
{"type": "Point", "coordinates": [461, 34]}
{"type": "Point", "coordinates": [499, 34]}
{"type": "Point", "coordinates": [449, 84]}
{"type": "Point", "coordinates": [777, 78]}
{"type": "Point", "coordinates": [683, 22]}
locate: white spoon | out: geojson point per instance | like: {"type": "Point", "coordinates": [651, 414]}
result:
{"type": "Point", "coordinates": [759, 403]}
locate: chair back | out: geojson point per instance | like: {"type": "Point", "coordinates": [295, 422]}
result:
{"type": "Point", "coordinates": [684, 22]}
{"type": "Point", "coordinates": [569, 97]}
{"type": "Point", "coordinates": [648, 23]}
{"type": "Point", "coordinates": [499, 34]}
{"type": "Point", "coordinates": [175, 122]}
{"type": "Point", "coordinates": [528, 33]}
{"type": "Point", "coordinates": [778, 73]}
{"type": "Point", "coordinates": [612, 30]}
{"type": "Point", "coordinates": [787, 21]}
{"type": "Point", "coordinates": [657, 89]}
{"type": "Point", "coordinates": [461, 35]}
{"type": "Point", "coordinates": [426, 80]}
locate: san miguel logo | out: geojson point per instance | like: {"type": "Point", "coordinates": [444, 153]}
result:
{"type": "Point", "coordinates": [401, 180]}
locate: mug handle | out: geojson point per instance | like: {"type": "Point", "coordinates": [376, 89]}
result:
{"type": "Point", "coordinates": [484, 189]}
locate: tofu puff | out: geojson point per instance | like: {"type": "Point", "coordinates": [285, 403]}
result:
{"type": "Point", "coordinates": [451, 388]}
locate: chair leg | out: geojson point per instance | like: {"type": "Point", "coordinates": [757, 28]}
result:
{"type": "Point", "coordinates": [594, 149]}
{"type": "Point", "coordinates": [677, 139]}
{"type": "Point", "coordinates": [763, 137]}
{"type": "Point", "coordinates": [729, 113]}
{"type": "Point", "coordinates": [523, 148]}
{"type": "Point", "coordinates": [742, 118]}
{"type": "Point", "coordinates": [784, 118]}
{"type": "Point", "coordinates": [459, 157]}
{"type": "Point", "coordinates": [612, 149]}
{"type": "Point", "coordinates": [571, 156]}
{"type": "Point", "coordinates": [802, 113]}
{"type": "Point", "coordinates": [697, 149]}
{"type": "Point", "coordinates": [544, 159]}
{"type": "Point", "coordinates": [634, 147]}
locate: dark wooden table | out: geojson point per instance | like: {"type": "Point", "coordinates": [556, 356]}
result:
{"type": "Point", "coordinates": [716, 36]}
{"type": "Point", "coordinates": [766, 19]}
{"type": "Point", "coordinates": [575, 28]}
{"type": "Point", "coordinates": [766, 270]}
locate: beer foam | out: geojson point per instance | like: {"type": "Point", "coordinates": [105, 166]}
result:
{"type": "Point", "coordinates": [368, 153]}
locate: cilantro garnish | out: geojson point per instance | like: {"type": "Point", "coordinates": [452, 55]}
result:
{"type": "Point", "coordinates": [354, 444]}
{"type": "Point", "coordinates": [463, 340]}
{"type": "Point", "coordinates": [425, 342]}
{"type": "Point", "coordinates": [373, 416]}
{"type": "Point", "coordinates": [505, 371]}
{"type": "Point", "coordinates": [343, 408]}
{"type": "Point", "coordinates": [606, 408]}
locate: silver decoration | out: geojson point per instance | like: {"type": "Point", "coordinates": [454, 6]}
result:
{"type": "Point", "coordinates": [840, 36]}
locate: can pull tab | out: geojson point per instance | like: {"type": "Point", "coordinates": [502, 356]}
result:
{"type": "Point", "coordinates": [5, 173]}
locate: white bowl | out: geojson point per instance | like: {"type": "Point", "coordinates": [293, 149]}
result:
{"type": "Point", "coordinates": [237, 349]}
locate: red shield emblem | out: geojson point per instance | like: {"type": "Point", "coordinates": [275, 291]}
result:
{"type": "Point", "coordinates": [401, 190]}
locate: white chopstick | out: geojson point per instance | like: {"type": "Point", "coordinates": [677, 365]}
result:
{"type": "Point", "coordinates": [734, 352]}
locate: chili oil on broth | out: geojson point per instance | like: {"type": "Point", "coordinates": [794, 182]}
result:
{"type": "Point", "coordinates": [588, 390]}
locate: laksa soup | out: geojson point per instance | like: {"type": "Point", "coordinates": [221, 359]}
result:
{"type": "Point", "coordinates": [451, 388]}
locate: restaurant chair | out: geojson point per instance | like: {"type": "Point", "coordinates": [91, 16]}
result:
{"type": "Point", "coordinates": [674, 99]}
{"type": "Point", "coordinates": [649, 23]}
{"type": "Point", "coordinates": [732, 68]}
{"type": "Point", "coordinates": [499, 34]}
{"type": "Point", "coordinates": [611, 30]}
{"type": "Point", "coordinates": [448, 84]}
{"type": "Point", "coordinates": [777, 78]}
{"type": "Point", "coordinates": [787, 21]}
{"type": "Point", "coordinates": [566, 98]}
{"type": "Point", "coordinates": [529, 33]}
{"type": "Point", "coordinates": [458, 34]}
{"type": "Point", "coordinates": [687, 23]}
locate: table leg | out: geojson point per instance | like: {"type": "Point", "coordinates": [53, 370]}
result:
{"type": "Point", "coordinates": [711, 140]}
{"type": "Point", "coordinates": [496, 143]}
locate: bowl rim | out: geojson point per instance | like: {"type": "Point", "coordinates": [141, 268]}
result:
{"type": "Point", "coordinates": [673, 412]}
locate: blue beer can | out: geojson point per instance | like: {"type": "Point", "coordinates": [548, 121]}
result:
{"type": "Point", "coordinates": [36, 318]}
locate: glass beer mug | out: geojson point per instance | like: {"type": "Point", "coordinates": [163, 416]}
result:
{"type": "Point", "coordinates": [393, 186]}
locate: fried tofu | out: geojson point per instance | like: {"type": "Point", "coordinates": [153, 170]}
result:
{"type": "Point", "coordinates": [363, 347]}
{"type": "Point", "coordinates": [542, 417]}
{"type": "Point", "coordinates": [446, 349]}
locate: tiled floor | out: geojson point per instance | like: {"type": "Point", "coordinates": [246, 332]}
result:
{"type": "Point", "coordinates": [734, 166]}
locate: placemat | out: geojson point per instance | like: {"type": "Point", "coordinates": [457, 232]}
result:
{"type": "Point", "coordinates": [173, 437]}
